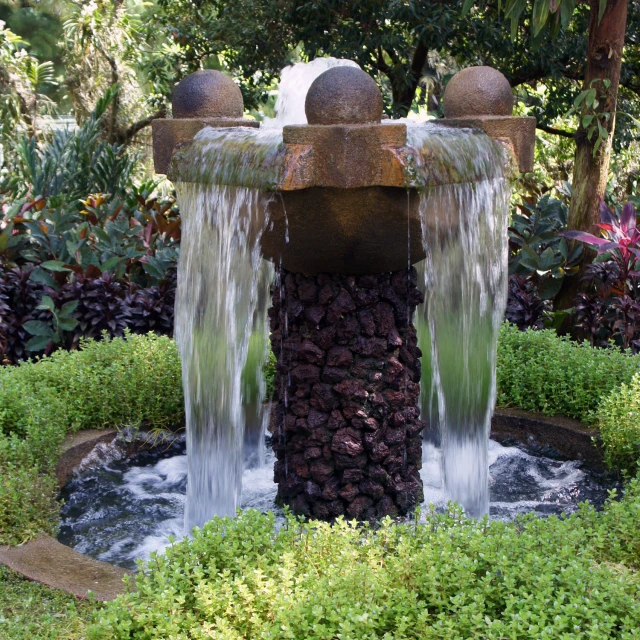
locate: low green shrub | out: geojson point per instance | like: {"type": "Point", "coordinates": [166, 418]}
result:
{"type": "Point", "coordinates": [541, 371]}
{"type": "Point", "coordinates": [448, 578]}
{"type": "Point", "coordinates": [112, 383]}
{"type": "Point", "coordinates": [31, 611]}
{"type": "Point", "coordinates": [619, 423]}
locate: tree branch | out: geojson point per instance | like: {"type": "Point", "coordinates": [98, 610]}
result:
{"type": "Point", "coordinates": [136, 127]}
{"type": "Point", "coordinates": [556, 132]}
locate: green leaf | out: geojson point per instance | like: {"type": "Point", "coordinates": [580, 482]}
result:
{"type": "Point", "coordinates": [39, 275]}
{"type": "Point", "coordinates": [580, 98]}
{"type": "Point", "coordinates": [54, 265]}
{"type": "Point", "coordinates": [38, 343]}
{"type": "Point", "coordinates": [46, 303]}
{"type": "Point", "coordinates": [547, 259]}
{"type": "Point", "coordinates": [113, 263]}
{"type": "Point", "coordinates": [567, 7]}
{"type": "Point", "coordinates": [67, 324]}
{"type": "Point", "coordinates": [68, 308]}
{"type": "Point", "coordinates": [467, 6]}
{"type": "Point", "coordinates": [601, 10]}
{"type": "Point", "coordinates": [38, 328]}
{"type": "Point", "coordinates": [549, 288]}
{"type": "Point", "coordinates": [540, 16]}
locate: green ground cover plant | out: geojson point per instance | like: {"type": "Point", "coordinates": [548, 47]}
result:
{"type": "Point", "coordinates": [619, 424]}
{"type": "Point", "coordinates": [31, 611]}
{"type": "Point", "coordinates": [448, 578]}
{"type": "Point", "coordinates": [541, 371]}
{"type": "Point", "coordinates": [110, 383]}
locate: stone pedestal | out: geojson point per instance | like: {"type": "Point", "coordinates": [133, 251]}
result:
{"type": "Point", "coordinates": [347, 433]}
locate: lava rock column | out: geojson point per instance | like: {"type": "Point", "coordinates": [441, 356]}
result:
{"type": "Point", "coordinates": [347, 432]}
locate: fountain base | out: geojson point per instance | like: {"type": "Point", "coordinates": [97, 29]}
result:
{"type": "Point", "coordinates": [347, 434]}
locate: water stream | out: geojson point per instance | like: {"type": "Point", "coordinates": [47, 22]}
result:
{"type": "Point", "coordinates": [464, 234]}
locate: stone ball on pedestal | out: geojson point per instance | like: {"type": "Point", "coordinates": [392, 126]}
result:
{"type": "Point", "coordinates": [207, 94]}
{"type": "Point", "coordinates": [344, 95]}
{"type": "Point", "coordinates": [478, 91]}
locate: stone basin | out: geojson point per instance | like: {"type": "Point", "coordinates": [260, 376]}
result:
{"type": "Point", "coordinates": [342, 191]}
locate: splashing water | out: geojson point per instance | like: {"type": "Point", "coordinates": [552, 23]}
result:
{"type": "Point", "coordinates": [464, 229]}
{"type": "Point", "coordinates": [295, 81]}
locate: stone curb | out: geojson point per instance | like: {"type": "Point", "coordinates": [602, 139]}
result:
{"type": "Point", "coordinates": [47, 561]}
{"type": "Point", "coordinates": [78, 446]}
{"type": "Point", "coordinates": [568, 437]}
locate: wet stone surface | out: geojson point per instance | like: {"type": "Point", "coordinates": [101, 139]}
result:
{"type": "Point", "coordinates": [347, 432]}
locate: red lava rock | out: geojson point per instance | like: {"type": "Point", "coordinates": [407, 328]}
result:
{"type": "Point", "coordinates": [358, 506]}
{"type": "Point", "coordinates": [342, 304]}
{"type": "Point", "coordinates": [312, 453]}
{"type": "Point", "coordinates": [332, 375]}
{"type": "Point", "coordinates": [347, 442]}
{"type": "Point", "coordinates": [315, 314]}
{"type": "Point", "coordinates": [300, 409]}
{"type": "Point", "coordinates": [348, 493]}
{"type": "Point", "coordinates": [339, 357]}
{"type": "Point", "coordinates": [371, 488]}
{"type": "Point", "coordinates": [323, 337]}
{"type": "Point", "coordinates": [308, 291]}
{"type": "Point", "coordinates": [384, 319]}
{"type": "Point", "coordinates": [379, 452]}
{"type": "Point", "coordinates": [321, 470]}
{"type": "Point", "coordinates": [323, 398]}
{"type": "Point", "coordinates": [393, 339]}
{"type": "Point", "coordinates": [317, 418]}
{"type": "Point", "coordinates": [336, 420]}
{"type": "Point", "coordinates": [305, 373]}
{"type": "Point", "coordinates": [326, 294]}
{"type": "Point", "coordinates": [352, 476]}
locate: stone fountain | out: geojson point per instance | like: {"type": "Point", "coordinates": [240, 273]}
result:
{"type": "Point", "coordinates": [342, 206]}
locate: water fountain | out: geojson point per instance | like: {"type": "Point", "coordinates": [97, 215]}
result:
{"type": "Point", "coordinates": [343, 206]}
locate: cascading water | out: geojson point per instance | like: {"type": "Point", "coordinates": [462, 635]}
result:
{"type": "Point", "coordinates": [216, 301]}
{"type": "Point", "coordinates": [465, 240]}
{"type": "Point", "coordinates": [223, 296]}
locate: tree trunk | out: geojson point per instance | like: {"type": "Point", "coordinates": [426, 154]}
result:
{"type": "Point", "coordinates": [590, 172]}
{"type": "Point", "coordinates": [604, 60]}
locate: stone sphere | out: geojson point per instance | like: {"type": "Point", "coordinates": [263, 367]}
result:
{"type": "Point", "coordinates": [478, 91]}
{"type": "Point", "coordinates": [207, 94]}
{"type": "Point", "coordinates": [343, 95]}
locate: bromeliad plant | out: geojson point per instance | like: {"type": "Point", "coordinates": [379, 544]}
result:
{"type": "Point", "coordinates": [612, 308]}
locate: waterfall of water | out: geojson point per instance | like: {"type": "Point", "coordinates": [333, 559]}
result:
{"type": "Point", "coordinates": [465, 240]}
{"type": "Point", "coordinates": [223, 296]}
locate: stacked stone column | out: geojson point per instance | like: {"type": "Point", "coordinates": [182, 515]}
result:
{"type": "Point", "coordinates": [347, 434]}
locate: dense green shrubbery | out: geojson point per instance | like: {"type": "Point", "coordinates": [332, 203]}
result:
{"type": "Point", "coordinates": [540, 371]}
{"type": "Point", "coordinates": [84, 248]}
{"type": "Point", "coordinates": [114, 383]}
{"type": "Point", "coordinates": [619, 425]}
{"type": "Point", "coordinates": [449, 578]}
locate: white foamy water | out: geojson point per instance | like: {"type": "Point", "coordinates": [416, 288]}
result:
{"type": "Point", "coordinates": [125, 509]}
